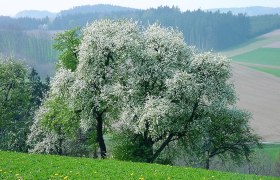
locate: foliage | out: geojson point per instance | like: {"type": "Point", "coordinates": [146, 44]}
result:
{"type": "Point", "coordinates": [14, 105]}
{"type": "Point", "coordinates": [25, 23]}
{"type": "Point", "coordinates": [34, 166]}
{"type": "Point", "coordinates": [225, 134]}
{"type": "Point", "coordinates": [20, 95]}
{"type": "Point", "coordinates": [32, 46]}
{"type": "Point", "coordinates": [67, 44]}
{"type": "Point", "coordinates": [263, 24]}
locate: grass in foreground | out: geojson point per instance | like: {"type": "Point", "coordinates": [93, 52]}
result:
{"type": "Point", "coordinates": [264, 56]}
{"type": "Point", "coordinates": [31, 166]}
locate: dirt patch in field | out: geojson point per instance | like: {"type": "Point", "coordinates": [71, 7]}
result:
{"type": "Point", "coordinates": [272, 34]}
{"type": "Point", "coordinates": [259, 93]}
{"type": "Point", "coordinates": [273, 45]}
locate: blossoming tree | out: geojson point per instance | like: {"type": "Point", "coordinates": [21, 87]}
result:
{"type": "Point", "coordinates": [85, 94]}
{"type": "Point", "coordinates": [144, 82]}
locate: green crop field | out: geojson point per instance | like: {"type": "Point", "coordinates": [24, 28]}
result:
{"type": "Point", "coordinates": [264, 56]}
{"type": "Point", "coordinates": [273, 71]}
{"type": "Point", "coordinates": [271, 150]}
{"type": "Point", "coordinates": [32, 166]}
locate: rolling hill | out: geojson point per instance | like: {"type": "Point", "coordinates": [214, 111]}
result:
{"type": "Point", "coordinates": [32, 166]}
{"type": "Point", "coordinates": [35, 14]}
{"type": "Point", "coordinates": [256, 72]}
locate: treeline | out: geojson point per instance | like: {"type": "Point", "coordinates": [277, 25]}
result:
{"type": "Point", "coordinates": [205, 30]}
{"type": "Point", "coordinates": [263, 24]}
{"type": "Point", "coordinates": [30, 38]}
{"type": "Point", "coordinates": [32, 46]}
{"type": "Point", "coordinates": [20, 24]}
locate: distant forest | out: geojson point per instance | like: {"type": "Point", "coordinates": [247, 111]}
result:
{"type": "Point", "coordinates": [206, 30]}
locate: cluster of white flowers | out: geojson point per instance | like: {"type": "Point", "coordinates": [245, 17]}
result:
{"type": "Point", "coordinates": [40, 139]}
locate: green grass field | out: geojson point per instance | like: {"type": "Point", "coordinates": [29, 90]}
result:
{"type": "Point", "coordinates": [31, 166]}
{"type": "Point", "coordinates": [264, 56]}
{"type": "Point", "coordinates": [273, 71]}
{"type": "Point", "coordinates": [271, 150]}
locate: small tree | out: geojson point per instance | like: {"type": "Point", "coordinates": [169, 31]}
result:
{"type": "Point", "coordinates": [224, 133]}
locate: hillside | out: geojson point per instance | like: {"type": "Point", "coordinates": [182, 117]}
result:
{"type": "Point", "coordinates": [31, 166]}
{"type": "Point", "coordinates": [259, 93]}
{"type": "Point", "coordinates": [99, 8]}
{"type": "Point", "coordinates": [256, 72]}
{"type": "Point", "coordinates": [268, 40]}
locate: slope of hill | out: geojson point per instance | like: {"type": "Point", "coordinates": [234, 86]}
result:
{"type": "Point", "coordinates": [31, 166]}
{"type": "Point", "coordinates": [268, 40]}
{"type": "Point", "coordinates": [250, 11]}
{"type": "Point", "coordinates": [100, 8]}
{"type": "Point", "coordinates": [35, 14]}
{"type": "Point", "coordinates": [256, 72]}
{"type": "Point", "coordinates": [261, 53]}
{"type": "Point", "coordinates": [259, 93]}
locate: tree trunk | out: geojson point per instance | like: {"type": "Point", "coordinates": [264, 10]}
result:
{"type": "Point", "coordinates": [100, 138]}
{"type": "Point", "coordinates": [160, 149]}
{"type": "Point", "coordinates": [60, 141]}
{"type": "Point", "coordinates": [207, 161]}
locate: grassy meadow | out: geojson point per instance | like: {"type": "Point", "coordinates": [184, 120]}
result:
{"type": "Point", "coordinates": [33, 166]}
{"type": "Point", "coordinates": [273, 71]}
{"type": "Point", "coordinates": [263, 56]}
{"type": "Point", "coordinates": [271, 150]}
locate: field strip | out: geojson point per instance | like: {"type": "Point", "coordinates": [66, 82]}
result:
{"type": "Point", "coordinates": [259, 93]}
{"type": "Point", "coordinates": [257, 65]}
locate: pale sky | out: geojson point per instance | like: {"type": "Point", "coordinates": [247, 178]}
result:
{"type": "Point", "coordinates": [11, 7]}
